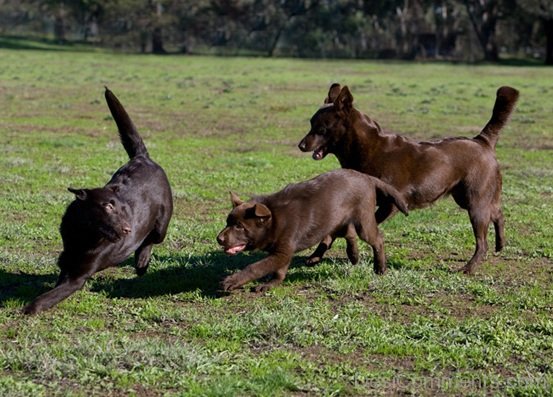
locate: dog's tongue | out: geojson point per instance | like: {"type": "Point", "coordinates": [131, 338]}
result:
{"type": "Point", "coordinates": [236, 249]}
{"type": "Point", "coordinates": [318, 154]}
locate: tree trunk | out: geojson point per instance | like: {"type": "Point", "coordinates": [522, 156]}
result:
{"type": "Point", "coordinates": [157, 42]}
{"type": "Point", "coordinates": [484, 21]}
{"type": "Point", "coordinates": [274, 43]}
{"type": "Point", "coordinates": [489, 45]}
{"type": "Point", "coordinates": [548, 27]}
{"type": "Point", "coordinates": [157, 36]}
{"type": "Point", "coordinates": [59, 24]}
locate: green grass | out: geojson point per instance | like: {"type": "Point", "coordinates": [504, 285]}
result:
{"type": "Point", "coordinates": [220, 124]}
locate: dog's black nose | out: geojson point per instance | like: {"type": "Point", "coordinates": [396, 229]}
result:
{"type": "Point", "coordinates": [302, 146]}
{"type": "Point", "coordinates": [220, 239]}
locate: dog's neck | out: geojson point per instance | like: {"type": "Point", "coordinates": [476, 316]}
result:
{"type": "Point", "coordinates": [361, 142]}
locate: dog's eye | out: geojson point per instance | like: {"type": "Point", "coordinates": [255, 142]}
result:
{"type": "Point", "coordinates": [239, 226]}
{"type": "Point", "coordinates": [109, 206]}
{"type": "Point", "coordinates": [321, 131]}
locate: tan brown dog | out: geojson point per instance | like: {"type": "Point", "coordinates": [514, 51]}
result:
{"type": "Point", "coordinates": [423, 172]}
{"type": "Point", "coordinates": [339, 203]}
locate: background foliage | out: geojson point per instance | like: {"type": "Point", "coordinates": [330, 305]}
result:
{"type": "Point", "coordinates": [466, 30]}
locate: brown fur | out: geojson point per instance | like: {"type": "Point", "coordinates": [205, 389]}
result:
{"type": "Point", "coordinates": [423, 172]}
{"type": "Point", "coordinates": [103, 226]}
{"type": "Point", "coordinates": [339, 203]}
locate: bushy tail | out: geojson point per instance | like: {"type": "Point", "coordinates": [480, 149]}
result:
{"type": "Point", "coordinates": [390, 192]}
{"type": "Point", "coordinates": [132, 142]}
{"type": "Point", "coordinates": [504, 105]}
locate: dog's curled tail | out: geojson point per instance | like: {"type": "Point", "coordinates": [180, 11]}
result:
{"type": "Point", "coordinates": [132, 142]}
{"type": "Point", "coordinates": [390, 192]}
{"type": "Point", "coordinates": [504, 105]}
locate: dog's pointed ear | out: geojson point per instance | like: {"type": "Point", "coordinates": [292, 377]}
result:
{"type": "Point", "coordinates": [344, 101]}
{"type": "Point", "coordinates": [235, 200]}
{"type": "Point", "coordinates": [81, 194]}
{"type": "Point", "coordinates": [262, 211]}
{"type": "Point", "coordinates": [333, 93]}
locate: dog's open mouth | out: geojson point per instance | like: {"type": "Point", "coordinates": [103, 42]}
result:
{"type": "Point", "coordinates": [236, 249]}
{"type": "Point", "coordinates": [319, 153]}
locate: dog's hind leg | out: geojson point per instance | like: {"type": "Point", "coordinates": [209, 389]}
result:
{"type": "Point", "coordinates": [385, 211]}
{"type": "Point", "coordinates": [351, 248]}
{"type": "Point", "coordinates": [480, 220]}
{"type": "Point", "coordinates": [66, 286]}
{"type": "Point", "coordinates": [499, 227]}
{"type": "Point", "coordinates": [317, 256]}
{"type": "Point", "coordinates": [369, 233]}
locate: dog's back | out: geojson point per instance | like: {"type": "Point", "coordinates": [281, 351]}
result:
{"type": "Point", "coordinates": [310, 210]}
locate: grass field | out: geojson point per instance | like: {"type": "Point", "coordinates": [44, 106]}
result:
{"type": "Point", "coordinates": [217, 124]}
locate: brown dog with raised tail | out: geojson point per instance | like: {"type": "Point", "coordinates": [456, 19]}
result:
{"type": "Point", "coordinates": [103, 226]}
{"type": "Point", "coordinates": [423, 172]}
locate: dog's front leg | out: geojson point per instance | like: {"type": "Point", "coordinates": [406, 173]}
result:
{"type": "Point", "coordinates": [275, 263]}
{"type": "Point", "coordinates": [142, 258]}
{"type": "Point", "coordinates": [65, 287]}
{"type": "Point", "coordinates": [317, 256]}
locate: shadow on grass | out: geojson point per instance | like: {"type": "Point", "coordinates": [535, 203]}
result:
{"type": "Point", "coordinates": [23, 286]}
{"type": "Point", "coordinates": [171, 274]}
{"type": "Point", "coordinates": [175, 274]}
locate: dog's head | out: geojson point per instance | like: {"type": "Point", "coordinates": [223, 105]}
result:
{"type": "Point", "coordinates": [100, 211]}
{"type": "Point", "coordinates": [247, 226]}
{"type": "Point", "coordinates": [329, 123]}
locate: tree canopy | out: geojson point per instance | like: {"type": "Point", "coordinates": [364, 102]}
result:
{"type": "Point", "coordinates": [404, 29]}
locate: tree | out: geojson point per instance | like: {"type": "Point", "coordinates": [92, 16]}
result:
{"type": "Point", "coordinates": [141, 21]}
{"type": "Point", "coordinates": [543, 9]}
{"type": "Point", "coordinates": [483, 15]}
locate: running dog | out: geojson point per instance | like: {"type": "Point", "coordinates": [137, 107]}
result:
{"type": "Point", "coordinates": [103, 226]}
{"type": "Point", "coordinates": [339, 203]}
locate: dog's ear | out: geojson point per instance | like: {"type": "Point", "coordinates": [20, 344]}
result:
{"type": "Point", "coordinates": [235, 200]}
{"type": "Point", "coordinates": [81, 194]}
{"type": "Point", "coordinates": [262, 212]}
{"type": "Point", "coordinates": [333, 93]}
{"type": "Point", "coordinates": [344, 101]}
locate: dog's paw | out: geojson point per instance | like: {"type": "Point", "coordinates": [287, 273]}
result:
{"type": "Point", "coordinates": [140, 271]}
{"type": "Point", "coordinates": [468, 270]}
{"type": "Point", "coordinates": [30, 309]}
{"type": "Point", "coordinates": [262, 288]}
{"type": "Point", "coordinates": [313, 260]}
{"type": "Point", "coordinates": [231, 282]}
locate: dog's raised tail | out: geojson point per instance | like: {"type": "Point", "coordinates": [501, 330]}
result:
{"type": "Point", "coordinates": [390, 192]}
{"type": "Point", "coordinates": [132, 142]}
{"type": "Point", "coordinates": [504, 105]}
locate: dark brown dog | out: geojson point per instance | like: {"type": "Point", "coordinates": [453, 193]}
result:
{"type": "Point", "coordinates": [423, 172]}
{"type": "Point", "coordinates": [103, 226]}
{"type": "Point", "coordinates": [340, 203]}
